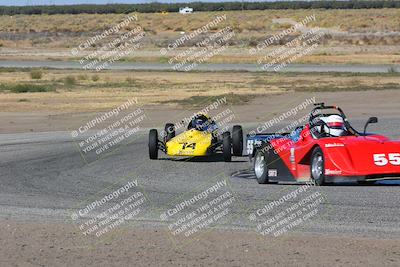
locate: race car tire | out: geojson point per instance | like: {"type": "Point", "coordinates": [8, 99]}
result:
{"type": "Point", "coordinates": [169, 132]}
{"type": "Point", "coordinates": [153, 144]}
{"type": "Point", "coordinates": [227, 146]}
{"type": "Point", "coordinates": [237, 140]}
{"type": "Point", "coordinates": [317, 166]}
{"type": "Point", "coordinates": [260, 167]}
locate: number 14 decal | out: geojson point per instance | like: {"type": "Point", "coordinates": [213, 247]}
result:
{"type": "Point", "coordinates": [383, 159]}
{"type": "Point", "coordinates": [189, 145]}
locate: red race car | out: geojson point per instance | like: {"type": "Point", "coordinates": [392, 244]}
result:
{"type": "Point", "coordinates": [324, 150]}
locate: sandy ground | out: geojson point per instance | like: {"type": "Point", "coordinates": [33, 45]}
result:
{"type": "Point", "coordinates": [51, 244]}
{"type": "Point", "coordinates": [356, 104]}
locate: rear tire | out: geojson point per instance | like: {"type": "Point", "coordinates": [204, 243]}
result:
{"type": "Point", "coordinates": [153, 144]}
{"type": "Point", "coordinates": [237, 140]}
{"type": "Point", "coordinates": [261, 167]}
{"type": "Point", "coordinates": [169, 132]}
{"type": "Point", "coordinates": [226, 147]}
{"type": "Point", "coordinates": [317, 166]}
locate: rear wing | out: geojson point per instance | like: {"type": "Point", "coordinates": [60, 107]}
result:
{"type": "Point", "coordinates": [255, 141]}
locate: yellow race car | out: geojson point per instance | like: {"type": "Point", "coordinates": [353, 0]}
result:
{"type": "Point", "coordinates": [202, 138]}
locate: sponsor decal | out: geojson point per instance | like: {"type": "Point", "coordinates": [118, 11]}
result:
{"type": "Point", "coordinates": [185, 152]}
{"type": "Point", "coordinates": [333, 172]}
{"type": "Point", "coordinates": [273, 172]}
{"type": "Point", "coordinates": [334, 145]}
{"type": "Point", "coordinates": [292, 157]}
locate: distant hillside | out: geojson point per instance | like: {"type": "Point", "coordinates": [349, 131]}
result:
{"type": "Point", "coordinates": [199, 6]}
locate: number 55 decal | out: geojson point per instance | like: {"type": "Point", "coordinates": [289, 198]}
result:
{"type": "Point", "coordinates": [383, 159]}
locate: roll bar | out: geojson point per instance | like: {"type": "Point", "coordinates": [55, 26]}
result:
{"type": "Point", "coordinates": [321, 106]}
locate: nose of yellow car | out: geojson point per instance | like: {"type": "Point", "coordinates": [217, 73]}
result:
{"type": "Point", "coordinates": [189, 143]}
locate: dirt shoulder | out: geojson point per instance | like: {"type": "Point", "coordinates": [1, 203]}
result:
{"type": "Point", "coordinates": [51, 244]}
{"type": "Point", "coordinates": [356, 104]}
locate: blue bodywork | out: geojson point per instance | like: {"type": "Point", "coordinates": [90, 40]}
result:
{"type": "Point", "coordinates": [254, 141]}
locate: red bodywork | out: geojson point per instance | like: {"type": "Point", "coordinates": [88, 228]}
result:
{"type": "Point", "coordinates": [360, 157]}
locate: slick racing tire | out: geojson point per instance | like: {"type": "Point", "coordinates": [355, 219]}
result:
{"type": "Point", "coordinates": [237, 140]}
{"type": "Point", "coordinates": [153, 144]}
{"type": "Point", "coordinates": [317, 166]}
{"type": "Point", "coordinates": [169, 132]}
{"type": "Point", "coordinates": [260, 166]}
{"type": "Point", "coordinates": [226, 146]}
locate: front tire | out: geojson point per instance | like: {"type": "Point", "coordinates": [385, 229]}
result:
{"type": "Point", "coordinates": [226, 147]}
{"type": "Point", "coordinates": [317, 166]}
{"type": "Point", "coordinates": [153, 144]}
{"type": "Point", "coordinates": [237, 140]}
{"type": "Point", "coordinates": [261, 167]}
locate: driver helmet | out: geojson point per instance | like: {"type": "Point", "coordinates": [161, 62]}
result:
{"type": "Point", "coordinates": [200, 122]}
{"type": "Point", "coordinates": [334, 125]}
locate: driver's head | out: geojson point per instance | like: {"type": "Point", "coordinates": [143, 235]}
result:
{"type": "Point", "coordinates": [334, 125]}
{"type": "Point", "coordinates": [200, 122]}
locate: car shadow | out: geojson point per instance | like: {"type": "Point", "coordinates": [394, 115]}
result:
{"type": "Point", "coordinates": [211, 158]}
{"type": "Point", "coordinates": [249, 174]}
{"type": "Point", "coordinates": [377, 183]}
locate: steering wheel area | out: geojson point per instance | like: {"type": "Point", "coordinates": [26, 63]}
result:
{"type": "Point", "coordinates": [319, 132]}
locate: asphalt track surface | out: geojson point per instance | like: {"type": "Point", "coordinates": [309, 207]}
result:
{"type": "Point", "coordinates": [350, 68]}
{"type": "Point", "coordinates": [44, 177]}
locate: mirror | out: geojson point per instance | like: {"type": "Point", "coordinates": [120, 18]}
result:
{"type": "Point", "coordinates": [370, 120]}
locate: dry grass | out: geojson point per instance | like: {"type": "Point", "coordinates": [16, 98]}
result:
{"type": "Point", "coordinates": [171, 88]}
{"type": "Point", "coordinates": [342, 55]}
{"type": "Point", "coordinates": [360, 20]}
{"type": "Point", "coordinates": [52, 36]}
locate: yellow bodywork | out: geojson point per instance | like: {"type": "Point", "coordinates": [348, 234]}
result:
{"type": "Point", "coordinates": [190, 143]}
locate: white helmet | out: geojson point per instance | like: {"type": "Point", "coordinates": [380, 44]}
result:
{"type": "Point", "coordinates": [334, 125]}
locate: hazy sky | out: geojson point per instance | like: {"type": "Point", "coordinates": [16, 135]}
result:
{"type": "Point", "coordinates": [70, 2]}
